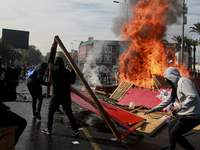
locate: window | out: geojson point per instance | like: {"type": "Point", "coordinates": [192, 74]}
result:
{"type": "Point", "coordinates": [108, 49]}
{"type": "Point", "coordinates": [106, 58]}
{"type": "Point", "coordinates": [98, 59]}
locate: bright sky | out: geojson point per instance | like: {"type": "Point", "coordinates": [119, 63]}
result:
{"type": "Point", "coordinates": [75, 20]}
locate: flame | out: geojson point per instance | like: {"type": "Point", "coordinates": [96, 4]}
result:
{"type": "Point", "coordinates": [145, 55]}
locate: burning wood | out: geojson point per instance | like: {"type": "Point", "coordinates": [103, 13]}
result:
{"type": "Point", "coordinates": [146, 54]}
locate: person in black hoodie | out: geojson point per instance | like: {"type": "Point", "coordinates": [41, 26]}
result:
{"type": "Point", "coordinates": [8, 93]}
{"type": "Point", "coordinates": [61, 79]}
{"type": "Point", "coordinates": [34, 86]}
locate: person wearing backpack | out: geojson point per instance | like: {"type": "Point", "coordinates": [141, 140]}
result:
{"type": "Point", "coordinates": [34, 82]}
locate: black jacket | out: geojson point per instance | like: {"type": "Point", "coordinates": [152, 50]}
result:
{"type": "Point", "coordinates": [38, 75]}
{"type": "Point", "coordinates": [61, 78]}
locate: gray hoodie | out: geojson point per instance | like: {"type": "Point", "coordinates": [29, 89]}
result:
{"type": "Point", "coordinates": [187, 95]}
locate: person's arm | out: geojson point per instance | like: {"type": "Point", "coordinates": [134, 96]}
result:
{"type": "Point", "coordinates": [190, 93]}
{"type": "Point", "coordinates": [73, 76]}
{"type": "Point", "coordinates": [51, 58]}
{"type": "Point", "coordinates": [162, 105]}
{"type": "Point", "coordinates": [40, 76]}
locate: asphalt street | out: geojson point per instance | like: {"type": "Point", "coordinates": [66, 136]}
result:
{"type": "Point", "coordinates": [90, 138]}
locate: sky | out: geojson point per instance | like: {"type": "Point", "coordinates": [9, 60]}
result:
{"type": "Point", "coordinates": [76, 20]}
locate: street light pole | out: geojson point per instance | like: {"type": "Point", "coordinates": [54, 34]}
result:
{"type": "Point", "coordinates": [127, 8]}
{"type": "Point", "coordinates": [184, 22]}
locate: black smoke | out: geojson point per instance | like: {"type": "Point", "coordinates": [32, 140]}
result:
{"type": "Point", "coordinates": [173, 15]}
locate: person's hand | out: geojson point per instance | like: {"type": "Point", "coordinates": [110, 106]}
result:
{"type": "Point", "coordinates": [148, 111]}
{"type": "Point", "coordinates": [68, 66]}
{"type": "Point", "coordinates": [174, 109]}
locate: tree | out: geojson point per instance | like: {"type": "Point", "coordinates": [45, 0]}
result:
{"type": "Point", "coordinates": [45, 58]}
{"type": "Point", "coordinates": [31, 55]}
{"type": "Point", "coordinates": [196, 28]}
{"type": "Point", "coordinates": [177, 40]}
{"type": "Point", "coordinates": [194, 43]}
{"type": "Point", "coordinates": [114, 55]}
{"type": "Point", "coordinates": [8, 54]}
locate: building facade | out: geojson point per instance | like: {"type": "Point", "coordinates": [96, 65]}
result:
{"type": "Point", "coordinates": [101, 52]}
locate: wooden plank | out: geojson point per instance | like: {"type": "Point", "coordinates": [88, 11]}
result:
{"type": "Point", "coordinates": [150, 126]}
{"type": "Point", "coordinates": [120, 91]}
{"type": "Point", "coordinates": [49, 76]}
{"type": "Point", "coordinates": [132, 129]}
{"type": "Point", "coordinates": [160, 82]}
{"type": "Point", "coordinates": [7, 137]}
{"type": "Point", "coordinates": [89, 90]}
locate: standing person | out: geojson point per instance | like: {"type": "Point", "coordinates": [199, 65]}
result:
{"type": "Point", "coordinates": [1, 69]}
{"type": "Point", "coordinates": [61, 79]}
{"type": "Point", "coordinates": [187, 110]}
{"type": "Point", "coordinates": [8, 93]}
{"type": "Point", "coordinates": [108, 76]}
{"type": "Point", "coordinates": [34, 86]}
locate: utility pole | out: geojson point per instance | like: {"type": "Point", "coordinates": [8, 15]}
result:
{"type": "Point", "coordinates": [185, 9]}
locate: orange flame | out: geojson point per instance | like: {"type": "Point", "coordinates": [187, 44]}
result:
{"type": "Point", "coordinates": [145, 54]}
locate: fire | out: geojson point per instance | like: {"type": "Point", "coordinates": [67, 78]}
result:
{"type": "Point", "coordinates": [145, 54]}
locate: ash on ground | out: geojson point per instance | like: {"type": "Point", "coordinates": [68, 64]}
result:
{"type": "Point", "coordinates": [89, 118]}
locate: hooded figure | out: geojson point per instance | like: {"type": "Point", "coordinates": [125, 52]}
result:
{"type": "Point", "coordinates": [61, 79]}
{"type": "Point", "coordinates": [187, 110]}
{"type": "Point", "coordinates": [8, 93]}
{"type": "Point", "coordinates": [34, 86]}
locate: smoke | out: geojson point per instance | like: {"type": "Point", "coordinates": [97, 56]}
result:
{"type": "Point", "coordinates": [90, 69]}
{"type": "Point", "coordinates": [173, 15]}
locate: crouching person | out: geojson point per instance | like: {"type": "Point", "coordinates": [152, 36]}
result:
{"type": "Point", "coordinates": [187, 110]}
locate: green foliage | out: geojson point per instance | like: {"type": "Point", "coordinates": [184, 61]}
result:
{"type": "Point", "coordinates": [8, 55]}
{"type": "Point", "coordinates": [31, 55]}
{"type": "Point", "coordinates": [45, 58]}
{"type": "Point", "coordinates": [196, 28]}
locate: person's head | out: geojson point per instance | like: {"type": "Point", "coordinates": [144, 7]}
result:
{"type": "Point", "coordinates": [44, 65]}
{"type": "Point", "coordinates": [59, 62]}
{"type": "Point", "coordinates": [172, 75]}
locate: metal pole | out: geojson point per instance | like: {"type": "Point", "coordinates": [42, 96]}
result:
{"type": "Point", "coordinates": [182, 48]}
{"type": "Point", "coordinates": [127, 14]}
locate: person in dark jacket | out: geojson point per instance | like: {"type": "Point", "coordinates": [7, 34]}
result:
{"type": "Point", "coordinates": [34, 86]}
{"type": "Point", "coordinates": [1, 69]}
{"type": "Point", "coordinates": [61, 79]}
{"type": "Point", "coordinates": [8, 93]}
